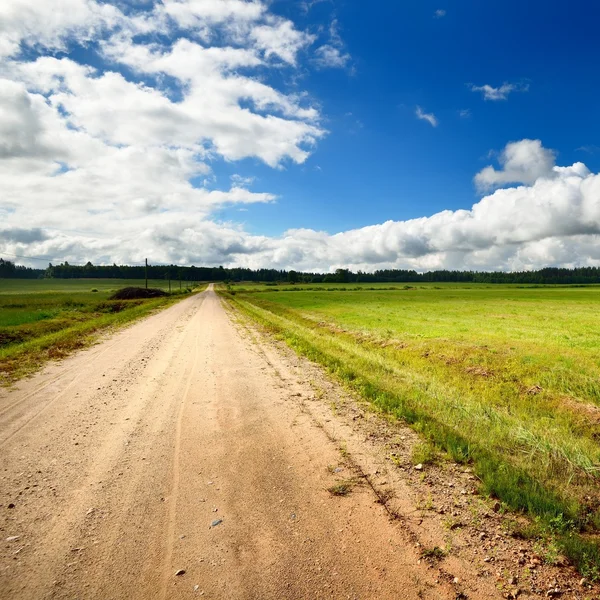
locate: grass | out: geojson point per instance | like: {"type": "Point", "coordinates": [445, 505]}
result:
{"type": "Point", "coordinates": [47, 319]}
{"type": "Point", "coordinates": [424, 453]}
{"type": "Point", "coordinates": [251, 287]}
{"type": "Point", "coordinates": [502, 377]}
{"type": "Point", "coordinates": [435, 553]}
{"type": "Point", "coordinates": [342, 488]}
{"type": "Point", "coordinates": [36, 286]}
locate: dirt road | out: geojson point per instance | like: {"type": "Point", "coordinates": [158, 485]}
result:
{"type": "Point", "coordinates": [178, 445]}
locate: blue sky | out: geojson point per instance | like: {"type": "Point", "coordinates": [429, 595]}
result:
{"type": "Point", "coordinates": [379, 162]}
{"type": "Point", "coordinates": [296, 134]}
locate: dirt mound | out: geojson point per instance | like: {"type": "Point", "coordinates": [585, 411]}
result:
{"type": "Point", "coordinates": [116, 306]}
{"type": "Point", "coordinates": [133, 293]}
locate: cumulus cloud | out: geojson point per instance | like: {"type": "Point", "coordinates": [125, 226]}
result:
{"type": "Point", "coordinates": [216, 110]}
{"type": "Point", "coordinates": [554, 220]}
{"type": "Point", "coordinates": [24, 236]}
{"type": "Point", "coordinates": [525, 161]}
{"type": "Point", "coordinates": [499, 93]}
{"type": "Point", "coordinates": [429, 117]}
{"type": "Point", "coordinates": [439, 13]}
{"type": "Point", "coordinates": [280, 38]}
{"type": "Point", "coordinates": [22, 130]}
{"type": "Point", "coordinates": [330, 56]}
{"type": "Point", "coordinates": [120, 157]}
{"type": "Point", "coordinates": [551, 218]}
{"type": "Point", "coordinates": [50, 23]}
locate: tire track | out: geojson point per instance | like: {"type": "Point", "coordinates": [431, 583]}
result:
{"type": "Point", "coordinates": [40, 412]}
{"type": "Point", "coordinates": [60, 376]}
{"type": "Point", "coordinates": [76, 367]}
{"type": "Point", "coordinates": [172, 514]}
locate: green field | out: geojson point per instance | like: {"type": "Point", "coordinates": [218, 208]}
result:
{"type": "Point", "coordinates": [333, 287]}
{"type": "Point", "coordinates": [250, 286]}
{"type": "Point", "coordinates": [505, 378]}
{"type": "Point", "coordinates": [35, 286]}
{"type": "Point", "coordinates": [44, 319]}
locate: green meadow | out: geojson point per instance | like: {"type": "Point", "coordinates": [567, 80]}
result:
{"type": "Point", "coordinates": [43, 319]}
{"type": "Point", "coordinates": [505, 378]}
{"type": "Point", "coordinates": [62, 286]}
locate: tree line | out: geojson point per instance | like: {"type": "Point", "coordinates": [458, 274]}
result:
{"type": "Point", "coordinates": [550, 275]}
{"type": "Point", "coordinates": [8, 270]}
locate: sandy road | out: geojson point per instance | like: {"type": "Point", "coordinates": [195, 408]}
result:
{"type": "Point", "coordinates": [174, 445]}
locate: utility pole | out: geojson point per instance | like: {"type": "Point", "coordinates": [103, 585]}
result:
{"type": "Point", "coordinates": [146, 273]}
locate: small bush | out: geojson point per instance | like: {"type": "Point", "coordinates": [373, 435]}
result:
{"type": "Point", "coordinates": [10, 337]}
{"type": "Point", "coordinates": [94, 289]}
{"type": "Point", "coordinates": [435, 553]}
{"type": "Point", "coordinates": [115, 306]}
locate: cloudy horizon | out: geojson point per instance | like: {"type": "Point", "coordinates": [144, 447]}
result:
{"type": "Point", "coordinates": [208, 132]}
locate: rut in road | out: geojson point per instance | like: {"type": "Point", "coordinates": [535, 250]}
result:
{"type": "Point", "coordinates": [176, 446]}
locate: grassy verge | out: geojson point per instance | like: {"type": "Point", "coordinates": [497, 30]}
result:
{"type": "Point", "coordinates": [533, 447]}
{"type": "Point", "coordinates": [37, 327]}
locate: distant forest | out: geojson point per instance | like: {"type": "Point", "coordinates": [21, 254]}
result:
{"type": "Point", "coordinates": [551, 275]}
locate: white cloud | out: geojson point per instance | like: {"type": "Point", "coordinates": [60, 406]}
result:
{"type": "Point", "coordinates": [212, 115]}
{"type": "Point", "coordinates": [332, 54]}
{"type": "Point", "coordinates": [280, 38]}
{"type": "Point", "coordinates": [22, 130]}
{"type": "Point", "coordinates": [525, 161]}
{"type": "Point", "coordinates": [121, 158]}
{"type": "Point", "coordinates": [499, 93]}
{"type": "Point", "coordinates": [429, 117]}
{"type": "Point", "coordinates": [307, 5]}
{"type": "Point", "coordinates": [439, 13]}
{"type": "Point", "coordinates": [241, 21]}
{"type": "Point", "coordinates": [552, 221]}
{"type": "Point", "coordinates": [464, 113]}
{"type": "Point", "coordinates": [196, 13]}
{"type": "Point", "coordinates": [241, 181]}
{"type": "Point", "coordinates": [49, 23]}
{"type": "Point", "coordinates": [129, 204]}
